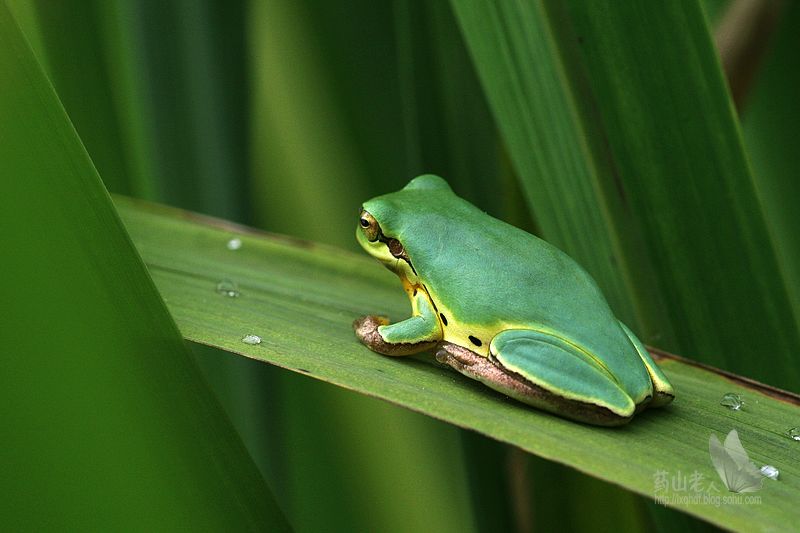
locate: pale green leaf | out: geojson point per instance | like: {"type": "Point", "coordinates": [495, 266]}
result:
{"type": "Point", "coordinates": [301, 298]}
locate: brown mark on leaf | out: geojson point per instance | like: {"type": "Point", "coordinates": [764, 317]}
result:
{"type": "Point", "coordinates": [742, 38]}
{"type": "Point", "coordinates": [751, 384]}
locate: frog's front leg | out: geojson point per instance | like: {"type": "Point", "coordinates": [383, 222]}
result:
{"type": "Point", "coordinates": [416, 334]}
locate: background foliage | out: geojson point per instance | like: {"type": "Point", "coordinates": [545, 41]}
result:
{"type": "Point", "coordinates": [620, 144]}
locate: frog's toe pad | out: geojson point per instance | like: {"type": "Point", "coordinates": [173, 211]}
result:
{"type": "Point", "coordinates": [562, 370]}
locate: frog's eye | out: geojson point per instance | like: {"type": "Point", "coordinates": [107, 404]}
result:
{"type": "Point", "coordinates": [370, 226]}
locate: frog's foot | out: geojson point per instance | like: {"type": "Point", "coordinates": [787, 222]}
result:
{"type": "Point", "coordinates": [493, 374]}
{"type": "Point", "coordinates": [403, 338]}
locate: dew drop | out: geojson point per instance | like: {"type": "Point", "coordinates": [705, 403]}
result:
{"type": "Point", "coordinates": [793, 433]}
{"type": "Point", "coordinates": [251, 339]}
{"type": "Point", "coordinates": [234, 244]}
{"type": "Point", "coordinates": [732, 401]}
{"type": "Point", "coordinates": [229, 288]}
{"type": "Point", "coordinates": [770, 471]}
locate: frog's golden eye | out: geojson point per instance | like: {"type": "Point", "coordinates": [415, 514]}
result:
{"type": "Point", "coordinates": [370, 226]}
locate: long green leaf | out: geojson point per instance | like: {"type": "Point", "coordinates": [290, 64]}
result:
{"type": "Point", "coordinates": [770, 125]}
{"type": "Point", "coordinates": [78, 65]}
{"type": "Point", "coordinates": [638, 171]}
{"type": "Point", "coordinates": [107, 423]}
{"type": "Point", "coordinates": [301, 298]}
{"type": "Point", "coordinates": [569, 187]}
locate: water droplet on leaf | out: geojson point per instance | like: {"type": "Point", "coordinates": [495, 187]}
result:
{"type": "Point", "coordinates": [732, 401]}
{"type": "Point", "coordinates": [770, 471]}
{"type": "Point", "coordinates": [228, 288]}
{"type": "Point", "coordinates": [793, 433]}
{"type": "Point", "coordinates": [234, 244]}
{"type": "Point", "coordinates": [251, 339]}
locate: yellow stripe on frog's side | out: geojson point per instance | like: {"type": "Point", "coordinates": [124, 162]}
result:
{"type": "Point", "coordinates": [459, 333]}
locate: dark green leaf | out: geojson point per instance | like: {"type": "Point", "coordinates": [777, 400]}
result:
{"type": "Point", "coordinates": [107, 421]}
{"type": "Point", "coordinates": [620, 126]}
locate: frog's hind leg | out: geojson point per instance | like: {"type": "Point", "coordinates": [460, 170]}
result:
{"type": "Point", "coordinates": [480, 368]}
{"type": "Point", "coordinates": [574, 384]}
{"type": "Point", "coordinates": [542, 371]}
{"type": "Point", "coordinates": [662, 389]}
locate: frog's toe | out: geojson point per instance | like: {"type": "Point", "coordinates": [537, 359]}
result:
{"type": "Point", "coordinates": [574, 384]}
{"type": "Point", "coordinates": [663, 392]}
{"type": "Point", "coordinates": [367, 326]}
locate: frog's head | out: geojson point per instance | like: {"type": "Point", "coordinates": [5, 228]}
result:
{"type": "Point", "coordinates": [388, 225]}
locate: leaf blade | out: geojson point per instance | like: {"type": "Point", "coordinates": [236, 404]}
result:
{"type": "Point", "coordinates": [108, 416]}
{"type": "Point", "coordinates": [301, 298]}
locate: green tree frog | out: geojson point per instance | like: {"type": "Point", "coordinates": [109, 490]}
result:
{"type": "Point", "coordinates": [503, 307]}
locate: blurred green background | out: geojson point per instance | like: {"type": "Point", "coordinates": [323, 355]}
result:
{"type": "Point", "coordinates": [285, 115]}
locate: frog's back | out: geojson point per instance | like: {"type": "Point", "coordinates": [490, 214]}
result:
{"type": "Point", "coordinates": [488, 272]}
{"type": "Point", "coordinates": [505, 272]}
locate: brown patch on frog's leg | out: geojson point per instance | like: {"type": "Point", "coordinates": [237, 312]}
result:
{"type": "Point", "coordinates": [482, 369]}
{"type": "Point", "coordinates": [366, 329]}
{"type": "Point", "coordinates": [502, 380]}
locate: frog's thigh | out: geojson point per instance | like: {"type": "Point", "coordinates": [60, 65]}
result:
{"type": "Point", "coordinates": [565, 373]}
{"type": "Point", "coordinates": [661, 385]}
